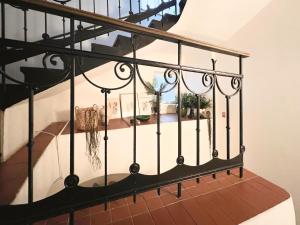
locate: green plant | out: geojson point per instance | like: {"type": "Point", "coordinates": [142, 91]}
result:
{"type": "Point", "coordinates": [153, 87]}
{"type": "Point", "coordinates": [204, 102]}
{"type": "Point", "coordinates": [189, 100]}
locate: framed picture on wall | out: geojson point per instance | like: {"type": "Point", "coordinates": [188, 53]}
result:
{"type": "Point", "coordinates": [127, 105]}
{"type": "Point", "coordinates": [145, 103]}
{"type": "Point", "coordinates": [114, 107]}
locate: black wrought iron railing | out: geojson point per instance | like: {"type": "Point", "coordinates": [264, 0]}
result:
{"type": "Point", "coordinates": [74, 197]}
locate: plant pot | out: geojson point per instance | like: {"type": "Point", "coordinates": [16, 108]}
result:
{"type": "Point", "coordinates": [183, 112]}
{"type": "Point", "coordinates": [191, 115]}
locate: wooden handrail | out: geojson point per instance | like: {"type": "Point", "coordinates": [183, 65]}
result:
{"type": "Point", "coordinates": [90, 17]}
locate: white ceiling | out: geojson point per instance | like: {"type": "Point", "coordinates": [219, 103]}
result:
{"type": "Point", "coordinates": [217, 20]}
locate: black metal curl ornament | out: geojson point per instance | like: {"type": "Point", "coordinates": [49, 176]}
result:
{"type": "Point", "coordinates": [168, 74]}
{"type": "Point", "coordinates": [236, 85]}
{"type": "Point", "coordinates": [134, 168]}
{"type": "Point", "coordinates": [208, 81]}
{"type": "Point", "coordinates": [38, 86]}
{"type": "Point", "coordinates": [118, 67]}
{"type": "Point", "coordinates": [54, 58]}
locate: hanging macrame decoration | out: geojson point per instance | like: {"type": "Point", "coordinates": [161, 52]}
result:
{"type": "Point", "coordinates": [87, 119]}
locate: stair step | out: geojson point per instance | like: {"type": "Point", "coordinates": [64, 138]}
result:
{"type": "Point", "coordinates": [121, 47]}
{"type": "Point", "coordinates": [13, 93]}
{"type": "Point", "coordinates": [42, 76]}
{"type": "Point", "coordinates": [122, 41]}
{"type": "Point", "coordinates": [105, 49]}
{"type": "Point", "coordinates": [14, 55]}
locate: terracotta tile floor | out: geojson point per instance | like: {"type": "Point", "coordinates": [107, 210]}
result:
{"type": "Point", "coordinates": [226, 200]}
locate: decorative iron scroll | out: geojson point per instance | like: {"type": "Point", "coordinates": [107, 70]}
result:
{"type": "Point", "coordinates": [208, 81]}
{"type": "Point", "coordinates": [236, 85]}
{"type": "Point", "coordinates": [118, 70]}
{"type": "Point", "coordinates": [53, 60]}
{"type": "Point", "coordinates": [168, 75]}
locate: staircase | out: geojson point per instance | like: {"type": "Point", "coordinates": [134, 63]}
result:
{"type": "Point", "coordinates": [121, 46]}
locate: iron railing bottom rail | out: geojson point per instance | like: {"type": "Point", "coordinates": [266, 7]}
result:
{"type": "Point", "coordinates": [71, 199]}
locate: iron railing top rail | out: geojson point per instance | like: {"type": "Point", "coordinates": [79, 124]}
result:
{"type": "Point", "coordinates": [89, 17]}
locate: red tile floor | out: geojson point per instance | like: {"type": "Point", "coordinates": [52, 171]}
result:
{"type": "Point", "coordinates": [226, 200]}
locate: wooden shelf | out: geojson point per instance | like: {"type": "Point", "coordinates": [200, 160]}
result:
{"type": "Point", "coordinates": [120, 123]}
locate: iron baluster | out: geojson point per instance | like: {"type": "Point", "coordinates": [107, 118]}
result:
{"type": "Point", "coordinates": [80, 28]}
{"type": "Point", "coordinates": [214, 152]}
{"type": "Point", "coordinates": [119, 7]}
{"type": "Point", "coordinates": [72, 180]}
{"type": "Point", "coordinates": [162, 15]}
{"type": "Point", "coordinates": [71, 218]}
{"type": "Point", "coordinates": [94, 10]}
{"type": "Point", "coordinates": [135, 167]}
{"type": "Point", "coordinates": [3, 48]}
{"type": "Point", "coordinates": [242, 147]}
{"type": "Point", "coordinates": [25, 26]}
{"type": "Point", "coordinates": [106, 92]}
{"type": "Point", "coordinates": [72, 101]}
{"type": "Point", "coordinates": [180, 159]}
{"type": "Point", "coordinates": [107, 11]}
{"type": "Point", "coordinates": [64, 23]}
{"type": "Point", "coordinates": [30, 143]}
{"type": "Point", "coordinates": [139, 3]}
{"type": "Point", "coordinates": [130, 7]}
{"type": "Point", "coordinates": [228, 130]}
{"type": "Point", "coordinates": [198, 134]}
{"type": "Point", "coordinates": [46, 35]}
{"type": "Point", "coordinates": [158, 94]}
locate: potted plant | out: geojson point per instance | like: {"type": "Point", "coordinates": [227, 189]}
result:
{"type": "Point", "coordinates": [153, 88]}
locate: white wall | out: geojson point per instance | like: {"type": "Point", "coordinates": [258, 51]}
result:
{"type": "Point", "coordinates": [271, 85]}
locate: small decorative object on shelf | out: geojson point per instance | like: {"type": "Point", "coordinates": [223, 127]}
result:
{"type": "Point", "coordinates": [143, 117]}
{"type": "Point", "coordinates": [87, 119]}
{"type": "Point", "coordinates": [154, 87]}
{"type": "Point", "coordinates": [102, 115]}
{"type": "Point", "coordinates": [137, 121]}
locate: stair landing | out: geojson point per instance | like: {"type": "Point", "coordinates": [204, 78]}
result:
{"type": "Point", "coordinates": [226, 200]}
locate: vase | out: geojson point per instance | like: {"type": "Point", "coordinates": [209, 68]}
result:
{"type": "Point", "coordinates": [191, 114]}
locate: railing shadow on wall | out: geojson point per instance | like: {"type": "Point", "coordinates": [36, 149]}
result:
{"type": "Point", "coordinates": [73, 196]}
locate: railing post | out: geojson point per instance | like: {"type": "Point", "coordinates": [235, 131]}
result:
{"type": "Point", "coordinates": [45, 35]}
{"type": "Point", "coordinates": [134, 167]}
{"type": "Point", "coordinates": [107, 11]}
{"type": "Point", "coordinates": [72, 180]}
{"type": "Point", "coordinates": [162, 16]}
{"type": "Point", "coordinates": [130, 7]}
{"type": "Point", "coordinates": [158, 94]}
{"type": "Point", "coordinates": [180, 158]}
{"type": "Point", "coordinates": [176, 10]}
{"type": "Point", "coordinates": [198, 134]}
{"type": "Point", "coordinates": [242, 147]}
{"type": "Point", "coordinates": [3, 48]}
{"type": "Point", "coordinates": [228, 130]}
{"type": "Point", "coordinates": [30, 143]}
{"type": "Point", "coordinates": [119, 9]}
{"type": "Point", "coordinates": [214, 136]}
{"type": "Point", "coordinates": [25, 26]}
{"type": "Point", "coordinates": [139, 3]}
{"type": "Point", "coordinates": [106, 92]}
